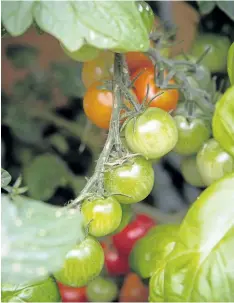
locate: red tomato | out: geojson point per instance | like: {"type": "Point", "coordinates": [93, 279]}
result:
{"type": "Point", "coordinates": [133, 290]}
{"type": "Point", "coordinates": [115, 263]}
{"type": "Point", "coordinates": [137, 60]}
{"type": "Point", "coordinates": [166, 101]}
{"type": "Point", "coordinates": [125, 240]}
{"type": "Point", "coordinates": [72, 294]}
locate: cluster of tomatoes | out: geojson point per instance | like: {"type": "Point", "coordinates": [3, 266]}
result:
{"type": "Point", "coordinates": [117, 260]}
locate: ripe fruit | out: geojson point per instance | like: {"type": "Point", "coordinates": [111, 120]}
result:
{"type": "Point", "coordinates": [72, 294]}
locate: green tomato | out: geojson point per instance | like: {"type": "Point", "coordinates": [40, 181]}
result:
{"type": "Point", "coordinates": [102, 215]}
{"type": "Point", "coordinates": [149, 251]}
{"type": "Point", "coordinates": [190, 172]}
{"type": "Point", "coordinates": [102, 290]}
{"type": "Point", "coordinates": [127, 214]}
{"type": "Point", "coordinates": [216, 59]}
{"type": "Point", "coordinates": [223, 121]}
{"type": "Point", "coordinates": [147, 14]}
{"type": "Point", "coordinates": [213, 162]}
{"type": "Point", "coordinates": [130, 182]}
{"type": "Point", "coordinates": [152, 134]}
{"type": "Point", "coordinates": [230, 64]}
{"type": "Point", "coordinates": [83, 263]}
{"type": "Point", "coordinates": [42, 291]}
{"type": "Point", "coordinates": [85, 53]}
{"type": "Point", "coordinates": [191, 135]}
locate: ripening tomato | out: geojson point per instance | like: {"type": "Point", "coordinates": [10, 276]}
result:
{"type": "Point", "coordinates": [98, 69]}
{"type": "Point", "coordinates": [152, 134]}
{"type": "Point", "coordinates": [126, 239]}
{"type": "Point", "coordinates": [127, 214]}
{"type": "Point", "coordinates": [82, 263]}
{"type": "Point", "coordinates": [137, 60]}
{"type": "Point", "coordinates": [166, 101]}
{"type": "Point", "coordinates": [191, 135]}
{"type": "Point", "coordinates": [133, 290]}
{"type": "Point", "coordinates": [190, 172]}
{"type": "Point", "coordinates": [102, 290]}
{"type": "Point", "coordinates": [72, 294]}
{"type": "Point", "coordinates": [102, 215]}
{"type": "Point", "coordinates": [213, 162]}
{"type": "Point", "coordinates": [85, 53]}
{"type": "Point", "coordinates": [131, 181]}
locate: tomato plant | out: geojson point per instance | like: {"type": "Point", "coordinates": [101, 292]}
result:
{"type": "Point", "coordinates": [82, 263]}
{"type": "Point", "coordinates": [190, 171]}
{"type": "Point", "coordinates": [191, 135]}
{"type": "Point", "coordinates": [103, 216]}
{"type": "Point", "coordinates": [168, 98]}
{"type": "Point", "coordinates": [130, 182]}
{"type": "Point", "coordinates": [127, 214]}
{"type": "Point", "coordinates": [102, 290]}
{"type": "Point", "coordinates": [133, 290]}
{"type": "Point", "coordinates": [126, 239]}
{"type": "Point", "coordinates": [153, 133]}
{"type": "Point", "coordinates": [213, 162]}
{"type": "Point", "coordinates": [85, 53]}
{"type": "Point", "coordinates": [136, 61]}
{"type": "Point", "coordinates": [72, 294]}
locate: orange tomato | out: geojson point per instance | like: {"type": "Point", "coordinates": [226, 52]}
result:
{"type": "Point", "coordinates": [133, 289]}
{"type": "Point", "coordinates": [98, 69]}
{"type": "Point", "coordinates": [166, 101]}
{"type": "Point", "coordinates": [136, 60]}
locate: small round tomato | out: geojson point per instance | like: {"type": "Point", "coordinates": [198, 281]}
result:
{"type": "Point", "coordinates": [152, 134]}
{"type": "Point", "coordinates": [216, 59]}
{"type": "Point", "coordinates": [72, 294]}
{"type": "Point", "coordinates": [130, 182]}
{"type": "Point", "coordinates": [42, 291]}
{"type": "Point", "coordinates": [102, 290]}
{"type": "Point", "coordinates": [223, 121]}
{"type": "Point", "coordinates": [98, 69]}
{"type": "Point", "coordinates": [147, 14]}
{"type": "Point", "coordinates": [82, 264]}
{"type": "Point", "coordinates": [126, 217]}
{"type": "Point", "coordinates": [102, 215]}
{"type": "Point", "coordinates": [213, 162]}
{"type": "Point", "coordinates": [133, 290]}
{"type": "Point", "coordinates": [190, 172]}
{"type": "Point", "coordinates": [150, 250]}
{"type": "Point", "coordinates": [137, 60]}
{"type": "Point", "coordinates": [191, 135]}
{"type": "Point", "coordinates": [166, 101]}
{"type": "Point", "coordinates": [85, 53]}
{"type": "Point", "coordinates": [126, 239]}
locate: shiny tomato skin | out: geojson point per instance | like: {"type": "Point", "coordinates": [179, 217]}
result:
{"type": "Point", "coordinates": [72, 294]}
{"type": "Point", "coordinates": [152, 134]}
{"type": "Point", "coordinates": [102, 215]}
{"type": "Point", "coordinates": [131, 181]}
{"type": "Point", "coordinates": [98, 105]}
{"type": "Point", "coordinates": [167, 100]}
{"type": "Point", "coordinates": [191, 135]}
{"type": "Point", "coordinates": [125, 240]}
{"type": "Point", "coordinates": [137, 60]}
{"type": "Point", "coordinates": [98, 69]}
{"type": "Point", "coordinates": [82, 264]}
{"type": "Point", "coordinates": [214, 162]}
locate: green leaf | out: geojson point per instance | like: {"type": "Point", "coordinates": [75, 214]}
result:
{"type": "Point", "coordinates": [227, 7]}
{"type": "Point", "coordinates": [103, 24]}
{"type": "Point", "coordinates": [17, 16]}
{"type": "Point", "coordinates": [200, 268]}
{"type": "Point", "coordinates": [44, 175]}
{"type": "Point", "coordinates": [21, 56]}
{"type": "Point", "coordinates": [5, 178]}
{"type": "Point", "coordinates": [36, 238]}
{"type": "Point", "coordinates": [205, 6]}
{"type": "Point", "coordinates": [230, 63]}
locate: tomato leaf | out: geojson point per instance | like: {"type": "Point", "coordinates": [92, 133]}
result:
{"type": "Point", "coordinates": [200, 267]}
{"type": "Point", "coordinates": [17, 16]}
{"type": "Point", "coordinates": [227, 7]}
{"type": "Point", "coordinates": [230, 63]}
{"type": "Point", "coordinates": [5, 178]}
{"type": "Point", "coordinates": [35, 238]}
{"type": "Point", "coordinates": [103, 24]}
{"type": "Point", "coordinates": [206, 7]}
{"type": "Point", "coordinates": [44, 175]}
